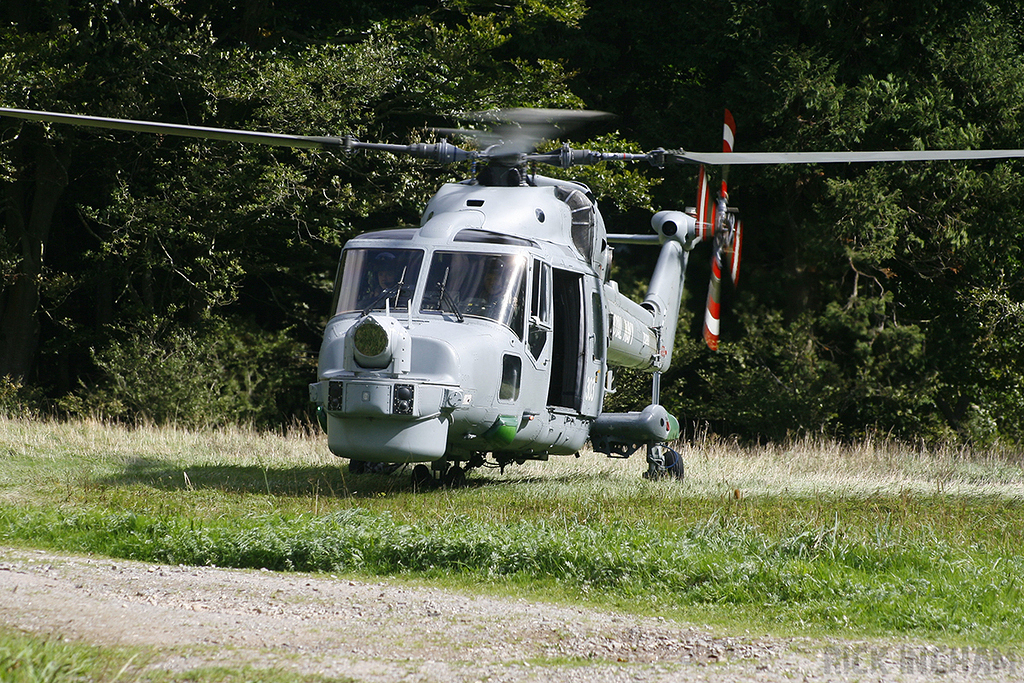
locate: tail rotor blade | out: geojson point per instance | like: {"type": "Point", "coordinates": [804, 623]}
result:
{"type": "Point", "coordinates": [713, 309]}
{"type": "Point", "coordinates": [728, 132]}
{"type": "Point", "coordinates": [737, 249]}
{"type": "Point", "coordinates": [727, 240]}
{"type": "Point", "coordinates": [728, 142]}
{"type": "Point", "coordinates": [705, 207]}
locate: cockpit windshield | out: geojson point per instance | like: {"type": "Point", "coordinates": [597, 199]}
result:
{"type": "Point", "coordinates": [377, 278]}
{"type": "Point", "coordinates": [486, 285]}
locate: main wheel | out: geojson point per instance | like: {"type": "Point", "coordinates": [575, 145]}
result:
{"type": "Point", "coordinates": [454, 478]}
{"type": "Point", "coordinates": [422, 478]}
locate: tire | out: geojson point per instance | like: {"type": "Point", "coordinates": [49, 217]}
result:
{"type": "Point", "coordinates": [674, 464]}
{"type": "Point", "coordinates": [422, 478]}
{"type": "Point", "coordinates": [454, 478]}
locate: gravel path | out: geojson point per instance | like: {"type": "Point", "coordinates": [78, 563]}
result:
{"type": "Point", "coordinates": [380, 632]}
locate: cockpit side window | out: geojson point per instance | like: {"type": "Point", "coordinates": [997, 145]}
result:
{"type": "Point", "coordinates": [376, 278]}
{"type": "Point", "coordinates": [540, 309]}
{"type": "Point", "coordinates": [485, 285]}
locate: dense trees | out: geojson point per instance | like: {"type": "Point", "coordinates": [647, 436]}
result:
{"type": "Point", "coordinates": [172, 279]}
{"type": "Point", "coordinates": [887, 297]}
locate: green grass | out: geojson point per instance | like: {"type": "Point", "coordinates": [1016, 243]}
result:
{"type": "Point", "coordinates": [873, 540]}
{"type": "Point", "coordinates": [33, 659]}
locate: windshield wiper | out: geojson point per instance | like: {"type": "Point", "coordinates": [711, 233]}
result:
{"type": "Point", "coordinates": [444, 297]}
{"type": "Point", "coordinates": [392, 291]}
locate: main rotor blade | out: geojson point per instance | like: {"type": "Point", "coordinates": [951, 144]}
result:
{"type": "Point", "coordinates": [441, 151]}
{"type": "Point", "coordinates": [202, 132]}
{"type": "Point", "coordinates": [769, 158]}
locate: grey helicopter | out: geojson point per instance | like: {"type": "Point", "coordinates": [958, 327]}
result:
{"type": "Point", "coordinates": [489, 333]}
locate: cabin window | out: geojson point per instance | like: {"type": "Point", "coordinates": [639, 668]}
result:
{"type": "Point", "coordinates": [511, 371]}
{"type": "Point", "coordinates": [489, 286]}
{"type": "Point", "coordinates": [599, 331]}
{"type": "Point", "coordinates": [582, 210]}
{"type": "Point", "coordinates": [376, 279]}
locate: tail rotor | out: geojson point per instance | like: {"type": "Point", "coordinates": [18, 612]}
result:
{"type": "Point", "coordinates": [726, 233]}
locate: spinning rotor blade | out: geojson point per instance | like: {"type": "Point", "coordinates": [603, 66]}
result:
{"type": "Point", "coordinates": [551, 119]}
{"type": "Point", "coordinates": [202, 132]}
{"type": "Point", "coordinates": [733, 246]}
{"type": "Point", "coordinates": [728, 133]}
{"type": "Point", "coordinates": [728, 140]}
{"type": "Point", "coordinates": [517, 131]}
{"type": "Point", "coordinates": [736, 248]}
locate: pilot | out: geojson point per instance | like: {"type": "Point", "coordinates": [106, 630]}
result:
{"type": "Point", "coordinates": [387, 271]}
{"type": "Point", "coordinates": [382, 274]}
{"type": "Point", "coordinates": [487, 301]}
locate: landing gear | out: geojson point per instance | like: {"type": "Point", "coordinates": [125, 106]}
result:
{"type": "Point", "coordinates": [425, 479]}
{"type": "Point", "coordinates": [674, 464]}
{"type": "Point", "coordinates": [663, 462]}
{"type": "Point", "coordinates": [454, 478]}
{"type": "Point", "coordinates": [363, 467]}
{"type": "Point", "coordinates": [422, 478]}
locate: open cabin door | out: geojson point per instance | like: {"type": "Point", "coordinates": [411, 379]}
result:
{"type": "Point", "coordinates": [569, 340]}
{"type": "Point", "coordinates": [577, 350]}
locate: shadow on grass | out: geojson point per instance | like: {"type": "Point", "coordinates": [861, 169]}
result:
{"type": "Point", "coordinates": [336, 482]}
{"type": "Point", "coordinates": [300, 482]}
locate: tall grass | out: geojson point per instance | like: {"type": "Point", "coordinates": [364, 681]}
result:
{"type": "Point", "coordinates": [804, 537]}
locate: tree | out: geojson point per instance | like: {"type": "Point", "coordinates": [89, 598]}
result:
{"type": "Point", "coordinates": [162, 241]}
{"type": "Point", "coordinates": [884, 294]}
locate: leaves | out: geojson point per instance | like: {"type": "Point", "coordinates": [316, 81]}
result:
{"type": "Point", "coordinates": [873, 297]}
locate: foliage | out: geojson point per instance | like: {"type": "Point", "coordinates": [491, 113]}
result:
{"type": "Point", "coordinates": [855, 310]}
{"type": "Point", "coordinates": [226, 371]}
{"type": "Point", "coordinates": [40, 661]}
{"type": "Point", "coordinates": [812, 573]}
{"type": "Point", "coordinates": [53, 659]}
{"type": "Point", "coordinates": [170, 234]}
{"type": "Point", "coordinates": [873, 297]}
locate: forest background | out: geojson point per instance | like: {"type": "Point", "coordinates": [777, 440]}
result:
{"type": "Point", "coordinates": [156, 279]}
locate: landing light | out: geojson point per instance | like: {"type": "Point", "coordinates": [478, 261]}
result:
{"type": "Point", "coordinates": [378, 343]}
{"type": "Point", "coordinates": [371, 344]}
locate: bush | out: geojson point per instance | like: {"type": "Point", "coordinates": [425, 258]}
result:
{"type": "Point", "coordinates": [223, 371]}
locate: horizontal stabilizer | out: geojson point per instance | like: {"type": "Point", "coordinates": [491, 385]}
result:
{"type": "Point", "coordinates": [622, 433]}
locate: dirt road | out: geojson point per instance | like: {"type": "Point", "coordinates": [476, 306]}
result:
{"type": "Point", "coordinates": [377, 632]}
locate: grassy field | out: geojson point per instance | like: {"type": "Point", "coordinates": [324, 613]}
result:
{"type": "Point", "coordinates": [876, 540]}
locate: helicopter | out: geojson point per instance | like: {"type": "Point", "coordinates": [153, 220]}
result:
{"type": "Point", "coordinates": [492, 330]}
